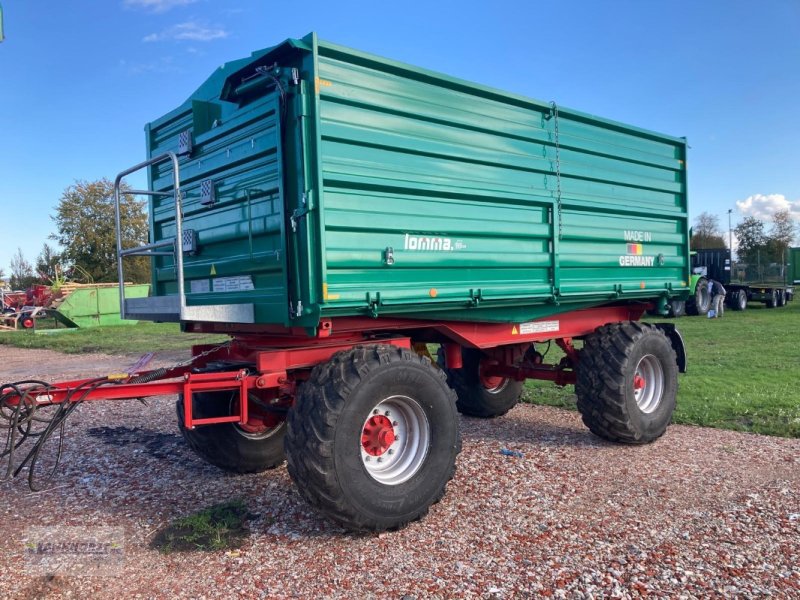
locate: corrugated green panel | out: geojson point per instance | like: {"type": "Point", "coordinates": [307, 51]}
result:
{"type": "Point", "coordinates": [408, 156]}
{"type": "Point", "coordinates": [794, 266]}
{"type": "Point", "coordinates": [241, 255]}
{"type": "Point", "coordinates": [413, 193]}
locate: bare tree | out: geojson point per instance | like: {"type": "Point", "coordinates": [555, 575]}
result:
{"type": "Point", "coordinates": [706, 232]}
{"type": "Point", "coordinates": [22, 275]}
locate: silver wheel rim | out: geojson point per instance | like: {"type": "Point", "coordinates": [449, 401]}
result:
{"type": "Point", "coordinates": [405, 440]}
{"type": "Point", "coordinates": [261, 435]}
{"type": "Point", "coordinates": [498, 388]}
{"type": "Point", "coordinates": [648, 383]}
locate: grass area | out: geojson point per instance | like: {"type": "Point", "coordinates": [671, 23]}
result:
{"type": "Point", "coordinates": [219, 527]}
{"type": "Point", "coordinates": [742, 372]}
{"type": "Point", "coordinates": [120, 339]}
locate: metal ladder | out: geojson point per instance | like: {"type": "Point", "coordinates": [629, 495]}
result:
{"type": "Point", "coordinates": [167, 308]}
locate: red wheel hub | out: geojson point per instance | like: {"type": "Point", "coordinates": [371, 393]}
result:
{"type": "Point", "coordinates": [638, 382]}
{"type": "Point", "coordinates": [377, 436]}
{"type": "Point", "coordinates": [490, 382]}
{"type": "Point", "coordinates": [258, 420]}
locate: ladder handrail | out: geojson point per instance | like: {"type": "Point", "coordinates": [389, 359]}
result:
{"type": "Point", "coordinates": [147, 249]}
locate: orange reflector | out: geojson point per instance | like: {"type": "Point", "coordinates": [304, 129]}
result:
{"type": "Point", "coordinates": [433, 293]}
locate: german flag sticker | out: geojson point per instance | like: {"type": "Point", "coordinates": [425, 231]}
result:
{"type": "Point", "coordinates": [635, 249]}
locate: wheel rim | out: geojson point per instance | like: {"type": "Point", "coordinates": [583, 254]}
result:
{"type": "Point", "coordinates": [394, 440]}
{"type": "Point", "coordinates": [493, 384]}
{"type": "Point", "coordinates": [260, 424]}
{"type": "Point", "coordinates": [742, 299]}
{"type": "Point", "coordinates": [648, 383]}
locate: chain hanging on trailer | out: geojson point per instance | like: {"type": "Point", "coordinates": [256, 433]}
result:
{"type": "Point", "coordinates": [554, 108]}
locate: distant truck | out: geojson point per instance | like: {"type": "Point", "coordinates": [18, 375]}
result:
{"type": "Point", "coordinates": [770, 284]}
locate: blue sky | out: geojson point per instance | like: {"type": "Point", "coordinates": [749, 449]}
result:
{"type": "Point", "coordinates": [79, 79]}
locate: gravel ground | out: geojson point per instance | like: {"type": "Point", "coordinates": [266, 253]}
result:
{"type": "Point", "coordinates": [700, 513]}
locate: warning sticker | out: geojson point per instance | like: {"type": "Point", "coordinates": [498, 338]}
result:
{"type": "Point", "coordinates": [198, 286]}
{"type": "Point", "coordinates": [538, 327]}
{"type": "Point", "coordinates": [233, 284]}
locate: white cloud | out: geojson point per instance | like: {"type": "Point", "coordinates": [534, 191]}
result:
{"type": "Point", "coordinates": [764, 206]}
{"type": "Point", "coordinates": [191, 31]}
{"type": "Point", "coordinates": [157, 6]}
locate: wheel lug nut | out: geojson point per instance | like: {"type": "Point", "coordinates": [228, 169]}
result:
{"type": "Point", "coordinates": [375, 412]}
{"type": "Point", "coordinates": [390, 451]}
{"type": "Point", "coordinates": [367, 459]}
{"type": "Point", "coordinates": [380, 459]}
{"type": "Point", "coordinates": [387, 413]}
{"type": "Point", "coordinates": [395, 423]}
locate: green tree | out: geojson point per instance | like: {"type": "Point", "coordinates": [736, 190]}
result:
{"type": "Point", "coordinates": [85, 222]}
{"type": "Point", "coordinates": [706, 232]}
{"type": "Point", "coordinates": [752, 239]}
{"type": "Point", "coordinates": [781, 235]}
{"type": "Point", "coordinates": [22, 275]}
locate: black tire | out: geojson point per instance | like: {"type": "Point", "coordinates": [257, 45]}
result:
{"type": "Point", "coordinates": [677, 308]}
{"type": "Point", "coordinates": [227, 445]}
{"type": "Point", "coordinates": [772, 300]}
{"type": "Point", "coordinates": [739, 300]}
{"type": "Point", "coordinates": [611, 359]}
{"type": "Point", "coordinates": [700, 301]}
{"type": "Point", "coordinates": [478, 397]}
{"type": "Point", "coordinates": [27, 321]}
{"type": "Point", "coordinates": [326, 448]}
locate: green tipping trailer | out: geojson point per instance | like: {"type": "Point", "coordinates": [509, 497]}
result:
{"type": "Point", "coordinates": [338, 213]}
{"type": "Point", "coordinates": [324, 182]}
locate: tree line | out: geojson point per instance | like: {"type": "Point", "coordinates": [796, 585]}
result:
{"type": "Point", "coordinates": [84, 229]}
{"type": "Point", "coordinates": [757, 241]}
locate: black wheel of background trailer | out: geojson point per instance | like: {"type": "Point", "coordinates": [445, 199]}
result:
{"type": "Point", "coordinates": [251, 448]}
{"type": "Point", "coordinates": [677, 308]}
{"type": "Point", "coordinates": [480, 395]}
{"type": "Point", "coordinates": [740, 300]}
{"type": "Point", "coordinates": [781, 298]}
{"type": "Point", "coordinates": [772, 300]}
{"type": "Point", "coordinates": [627, 382]}
{"type": "Point", "coordinates": [373, 437]}
{"type": "Point", "coordinates": [700, 301]}
{"type": "Point", "coordinates": [27, 321]}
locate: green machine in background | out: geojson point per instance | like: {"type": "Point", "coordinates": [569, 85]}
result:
{"type": "Point", "coordinates": [92, 306]}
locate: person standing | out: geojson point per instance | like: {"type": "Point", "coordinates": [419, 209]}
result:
{"type": "Point", "coordinates": [717, 291]}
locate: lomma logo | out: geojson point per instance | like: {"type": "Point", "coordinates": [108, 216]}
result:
{"type": "Point", "coordinates": [419, 242]}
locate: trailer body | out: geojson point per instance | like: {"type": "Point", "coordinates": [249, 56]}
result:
{"type": "Point", "coordinates": [324, 182]}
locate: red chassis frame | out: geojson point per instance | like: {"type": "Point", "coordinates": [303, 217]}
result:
{"type": "Point", "coordinates": [283, 357]}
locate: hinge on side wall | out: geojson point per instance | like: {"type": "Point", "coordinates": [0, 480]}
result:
{"type": "Point", "coordinates": [298, 214]}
